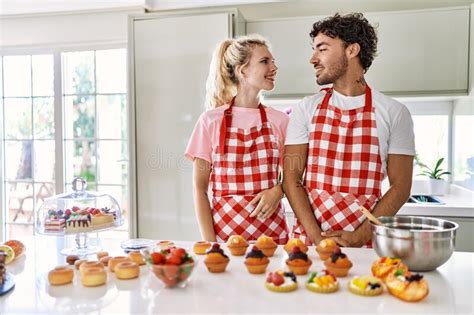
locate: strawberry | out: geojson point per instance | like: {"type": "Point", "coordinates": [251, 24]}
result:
{"type": "Point", "coordinates": [171, 271]}
{"type": "Point", "coordinates": [68, 212]}
{"type": "Point", "coordinates": [173, 260]}
{"type": "Point", "coordinates": [157, 258]}
{"type": "Point", "coordinates": [75, 209]}
{"type": "Point", "coordinates": [269, 277]}
{"type": "Point", "coordinates": [277, 279]}
{"type": "Point", "coordinates": [178, 252]}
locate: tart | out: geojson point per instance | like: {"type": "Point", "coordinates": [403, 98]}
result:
{"type": "Point", "coordinates": [326, 248]}
{"type": "Point", "coordinates": [383, 266]}
{"type": "Point", "coordinates": [407, 286]}
{"type": "Point", "coordinates": [295, 242]}
{"type": "Point", "coordinates": [216, 260]}
{"type": "Point", "coordinates": [366, 286]}
{"type": "Point", "coordinates": [338, 264]}
{"type": "Point", "coordinates": [280, 281]}
{"type": "Point", "coordinates": [322, 282]}
{"type": "Point", "coordinates": [298, 262]}
{"type": "Point", "coordinates": [256, 261]}
{"type": "Point", "coordinates": [267, 245]}
{"type": "Point", "coordinates": [237, 245]}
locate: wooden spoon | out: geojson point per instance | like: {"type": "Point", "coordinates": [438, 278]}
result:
{"type": "Point", "coordinates": [370, 216]}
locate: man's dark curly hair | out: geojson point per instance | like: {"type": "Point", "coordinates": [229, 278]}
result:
{"type": "Point", "coordinates": [350, 28]}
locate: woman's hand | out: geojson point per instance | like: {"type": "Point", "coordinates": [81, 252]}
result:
{"type": "Point", "coordinates": [267, 202]}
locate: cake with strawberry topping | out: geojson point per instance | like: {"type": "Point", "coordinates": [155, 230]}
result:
{"type": "Point", "coordinates": [383, 266]}
{"type": "Point", "coordinates": [407, 286]}
{"type": "Point", "coordinates": [256, 261]}
{"type": "Point", "coordinates": [322, 282]}
{"type": "Point", "coordinates": [298, 262]}
{"type": "Point", "coordinates": [216, 260]}
{"type": "Point", "coordinates": [280, 281]}
{"type": "Point", "coordinates": [366, 286]}
{"type": "Point", "coordinates": [338, 264]}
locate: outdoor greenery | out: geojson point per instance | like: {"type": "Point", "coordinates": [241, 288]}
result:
{"type": "Point", "coordinates": [435, 173]}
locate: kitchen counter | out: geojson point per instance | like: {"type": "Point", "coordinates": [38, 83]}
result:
{"type": "Point", "coordinates": [235, 291]}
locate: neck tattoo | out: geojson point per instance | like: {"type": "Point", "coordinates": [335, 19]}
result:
{"type": "Point", "coordinates": [361, 81]}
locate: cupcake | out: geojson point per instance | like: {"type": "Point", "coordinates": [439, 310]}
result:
{"type": "Point", "coordinates": [338, 264]}
{"type": "Point", "coordinates": [200, 247]}
{"type": "Point", "coordinates": [383, 266]}
{"type": "Point", "coordinates": [407, 286]}
{"type": "Point", "coordinates": [267, 245]}
{"type": "Point", "coordinates": [322, 282]}
{"type": "Point", "coordinates": [366, 285]}
{"type": "Point", "coordinates": [280, 281]}
{"type": "Point", "coordinates": [298, 262]}
{"type": "Point", "coordinates": [165, 244]}
{"type": "Point", "coordinates": [216, 261]}
{"type": "Point", "coordinates": [256, 261]}
{"type": "Point", "coordinates": [295, 242]}
{"type": "Point", "coordinates": [326, 248]}
{"type": "Point", "coordinates": [237, 245]}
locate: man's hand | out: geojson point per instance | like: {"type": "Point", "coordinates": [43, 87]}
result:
{"type": "Point", "coordinates": [357, 238]}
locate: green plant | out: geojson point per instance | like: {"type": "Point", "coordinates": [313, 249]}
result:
{"type": "Point", "coordinates": [435, 173]}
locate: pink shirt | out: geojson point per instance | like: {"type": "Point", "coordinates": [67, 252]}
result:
{"type": "Point", "coordinates": [205, 136]}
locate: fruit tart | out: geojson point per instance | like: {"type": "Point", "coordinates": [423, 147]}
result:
{"type": "Point", "coordinates": [326, 248]}
{"type": "Point", "coordinates": [338, 264]}
{"type": "Point", "coordinates": [298, 262]}
{"type": "Point", "coordinates": [322, 282]}
{"type": "Point", "coordinates": [280, 281]}
{"type": "Point", "coordinates": [267, 245]}
{"type": "Point", "coordinates": [407, 286]}
{"type": "Point", "coordinates": [366, 285]}
{"type": "Point", "coordinates": [256, 261]}
{"type": "Point", "coordinates": [17, 246]}
{"type": "Point", "coordinates": [383, 266]}
{"type": "Point", "coordinates": [295, 242]}
{"type": "Point", "coordinates": [216, 260]}
{"type": "Point", "coordinates": [237, 245]}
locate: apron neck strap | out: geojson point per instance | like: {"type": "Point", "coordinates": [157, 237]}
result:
{"type": "Point", "coordinates": [368, 97]}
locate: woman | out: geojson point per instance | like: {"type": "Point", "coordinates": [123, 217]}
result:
{"type": "Point", "coordinates": [237, 146]}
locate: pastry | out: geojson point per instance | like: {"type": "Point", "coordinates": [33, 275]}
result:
{"type": "Point", "coordinates": [366, 285]}
{"type": "Point", "coordinates": [93, 277]}
{"type": "Point", "coordinates": [90, 264]}
{"type": "Point", "coordinates": [3, 269]}
{"type": "Point", "coordinates": [165, 244]}
{"type": "Point", "coordinates": [322, 282]}
{"type": "Point", "coordinates": [105, 260]}
{"type": "Point", "coordinates": [71, 259]}
{"type": "Point", "coordinates": [407, 286]}
{"type": "Point", "coordinates": [54, 225]}
{"type": "Point", "coordinates": [79, 262]}
{"type": "Point", "coordinates": [255, 261]}
{"type": "Point", "coordinates": [280, 281]}
{"type": "Point", "coordinates": [237, 245]}
{"type": "Point", "coordinates": [102, 254]}
{"type": "Point", "coordinates": [295, 242]}
{"type": "Point", "coordinates": [267, 245]}
{"type": "Point", "coordinates": [102, 221]}
{"type": "Point", "coordinates": [298, 262]}
{"type": "Point", "coordinates": [200, 247]}
{"type": "Point", "coordinates": [383, 266]}
{"type": "Point", "coordinates": [78, 223]}
{"type": "Point", "coordinates": [10, 253]}
{"type": "Point", "coordinates": [326, 248]}
{"type": "Point", "coordinates": [216, 260]}
{"type": "Point", "coordinates": [338, 264]}
{"type": "Point", "coordinates": [127, 270]}
{"type": "Point", "coordinates": [137, 258]}
{"type": "Point", "coordinates": [17, 246]}
{"type": "Point", "coordinates": [60, 275]}
{"type": "Point", "coordinates": [115, 260]}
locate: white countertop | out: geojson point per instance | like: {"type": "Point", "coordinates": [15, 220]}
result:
{"type": "Point", "coordinates": [235, 291]}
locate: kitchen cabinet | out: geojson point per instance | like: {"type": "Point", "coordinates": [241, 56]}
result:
{"type": "Point", "coordinates": [169, 63]}
{"type": "Point", "coordinates": [422, 52]}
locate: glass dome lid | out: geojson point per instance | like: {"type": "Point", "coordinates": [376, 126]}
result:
{"type": "Point", "coordinates": [78, 212]}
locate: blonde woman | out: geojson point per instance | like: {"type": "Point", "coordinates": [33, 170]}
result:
{"type": "Point", "coordinates": [237, 146]}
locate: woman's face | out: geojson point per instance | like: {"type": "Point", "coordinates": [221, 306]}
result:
{"type": "Point", "coordinates": [260, 72]}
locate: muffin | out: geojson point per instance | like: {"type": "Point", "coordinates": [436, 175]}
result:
{"type": "Point", "coordinates": [322, 282]}
{"type": "Point", "coordinates": [200, 247]}
{"type": "Point", "coordinates": [163, 245]}
{"type": "Point", "coordinates": [216, 260]}
{"type": "Point", "coordinates": [237, 245]}
{"type": "Point", "coordinates": [295, 242]}
{"type": "Point", "coordinates": [366, 285]}
{"type": "Point", "coordinates": [338, 264]}
{"type": "Point", "coordinates": [280, 281]}
{"type": "Point", "coordinates": [267, 245]}
{"type": "Point", "coordinates": [298, 262]}
{"type": "Point", "coordinates": [326, 248]}
{"type": "Point", "coordinates": [407, 286]}
{"type": "Point", "coordinates": [383, 266]}
{"type": "Point", "coordinates": [256, 261]}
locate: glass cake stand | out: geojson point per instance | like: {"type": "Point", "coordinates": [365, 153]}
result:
{"type": "Point", "coordinates": [78, 213]}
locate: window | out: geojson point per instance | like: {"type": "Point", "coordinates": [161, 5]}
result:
{"type": "Point", "coordinates": [463, 171]}
{"type": "Point", "coordinates": [91, 103]}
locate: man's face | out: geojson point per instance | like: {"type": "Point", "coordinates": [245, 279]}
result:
{"type": "Point", "coordinates": [328, 59]}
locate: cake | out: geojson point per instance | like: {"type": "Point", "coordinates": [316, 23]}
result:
{"type": "Point", "coordinates": [216, 260]}
{"type": "Point", "coordinates": [101, 221]}
{"type": "Point", "coordinates": [280, 281]}
{"type": "Point", "coordinates": [298, 262]}
{"type": "Point", "coordinates": [295, 242]}
{"type": "Point", "coordinates": [322, 282]}
{"type": "Point", "coordinates": [366, 285]}
{"type": "Point", "coordinates": [237, 245]}
{"type": "Point", "coordinates": [407, 286]}
{"type": "Point", "coordinates": [256, 261]}
{"type": "Point", "coordinates": [383, 266]}
{"type": "Point", "coordinates": [78, 223]}
{"type": "Point", "coordinates": [267, 245]}
{"type": "Point", "coordinates": [54, 225]}
{"type": "Point", "coordinates": [338, 264]}
{"type": "Point", "coordinates": [326, 248]}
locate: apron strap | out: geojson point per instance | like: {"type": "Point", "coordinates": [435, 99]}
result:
{"type": "Point", "coordinates": [368, 97]}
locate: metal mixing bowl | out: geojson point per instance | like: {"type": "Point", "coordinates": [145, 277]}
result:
{"type": "Point", "coordinates": [422, 243]}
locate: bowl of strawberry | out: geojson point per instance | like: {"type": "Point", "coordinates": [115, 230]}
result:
{"type": "Point", "coordinates": [172, 266]}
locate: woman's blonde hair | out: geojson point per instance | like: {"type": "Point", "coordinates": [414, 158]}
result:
{"type": "Point", "coordinates": [222, 82]}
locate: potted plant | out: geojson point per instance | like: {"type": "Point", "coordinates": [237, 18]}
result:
{"type": "Point", "coordinates": [437, 183]}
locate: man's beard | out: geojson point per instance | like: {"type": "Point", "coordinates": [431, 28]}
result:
{"type": "Point", "coordinates": [337, 70]}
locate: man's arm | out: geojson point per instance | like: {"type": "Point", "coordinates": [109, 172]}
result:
{"type": "Point", "coordinates": [201, 172]}
{"type": "Point", "coordinates": [294, 164]}
{"type": "Point", "coordinates": [400, 172]}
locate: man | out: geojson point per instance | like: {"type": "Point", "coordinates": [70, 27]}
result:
{"type": "Point", "coordinates": [342, 142]}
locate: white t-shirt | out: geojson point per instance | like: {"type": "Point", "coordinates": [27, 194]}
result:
{"type": "Point", "coordinates": [394, 122]}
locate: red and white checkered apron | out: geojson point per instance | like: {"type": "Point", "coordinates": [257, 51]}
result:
{"type": "Point", "coordinates": [245, 163]}
{"type": "Point", "coordinates": [344, 168]}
